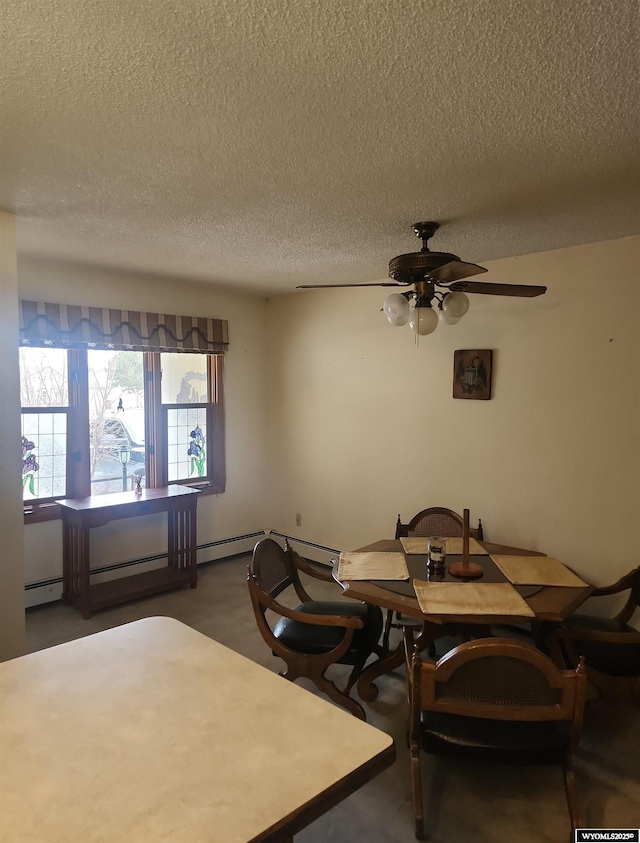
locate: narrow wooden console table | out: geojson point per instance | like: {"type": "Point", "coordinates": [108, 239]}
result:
{"type": "Point", "coordinates": [80, 515]}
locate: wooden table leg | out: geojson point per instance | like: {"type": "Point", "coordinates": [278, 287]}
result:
{"type": "Point", "coordinates": [182, 542]}
{"type": "Point", "coordinates": [67, 563]}
{"type": "Point", "coordinates": [82, 549]}
{"type": "Point", "coordinates": [173, 560]}
{"type": "Point", "coordinates": [192, 546]}
{"type": "Point", "coordinates": [367, 691]}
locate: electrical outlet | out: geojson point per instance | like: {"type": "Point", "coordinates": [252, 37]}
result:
{"type": "Point", "coordinates": [298, 520]}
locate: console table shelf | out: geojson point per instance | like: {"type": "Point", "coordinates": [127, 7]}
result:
{"type": "Point", "coordinates": [80, 515]}
{"type": "Point", "coordinates": [137, 585]}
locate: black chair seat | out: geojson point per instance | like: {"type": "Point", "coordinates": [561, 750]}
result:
{"type": "Point", "coordinates": [494, 741]}
{"type": "Point", "coordinates": [308, 638]}
{"type": "Point", "coordinates": [611, 658]}
{"type": "Point", "coordinates": [309, 649]}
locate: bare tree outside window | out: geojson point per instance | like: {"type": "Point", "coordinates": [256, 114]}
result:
{"type": "Point", "coordinates": [116, 416]}
{"type": "Point", "coordinates": [43, 377]}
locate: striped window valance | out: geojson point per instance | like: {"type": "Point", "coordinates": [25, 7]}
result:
{"type": "Point", "coordinates": [72, 326]}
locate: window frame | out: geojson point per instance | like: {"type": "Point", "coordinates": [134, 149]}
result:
{"type": "Point", "coordinates": [78, 480]}
{"type": "Point", "coordinates": [156, 419]}
{"type": "Point", "coordinates": [45, 502]}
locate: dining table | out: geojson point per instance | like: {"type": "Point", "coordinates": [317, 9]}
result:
{"type": "Point", "coordinates": [152, 731]}
{"type": "Point", "coordinates": [529, 601]}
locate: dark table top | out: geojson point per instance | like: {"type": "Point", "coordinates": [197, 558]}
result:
{"type": "Point", "coordinates": [550, 603]}
{"type": "Point", "coordinates": [124, 498]}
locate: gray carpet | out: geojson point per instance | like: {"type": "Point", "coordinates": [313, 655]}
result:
{"type": "Point", "coordinates": [463, 802]}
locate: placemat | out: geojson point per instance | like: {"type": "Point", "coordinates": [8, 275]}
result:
{"type": "Point", "coordinates": [454, 545]}
{"type": "Point", "coordinates": [418, 545]}
{"type": "Point", "coordinates": [537, 570]}
{"type": "Point", "coordinates": [470, 598]}
{"type": "Point", "coordinates": [372, 566]}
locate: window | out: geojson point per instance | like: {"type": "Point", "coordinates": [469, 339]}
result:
{"type": "Point", "coordinates": [116, 419]}
{"type": "Point", "coordinates": [44, 396]}
{"type": "Point", "coordinates": [94, 420]}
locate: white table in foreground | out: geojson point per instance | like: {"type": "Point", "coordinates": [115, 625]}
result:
{"type": "Point", "coordinates": [153, 732]}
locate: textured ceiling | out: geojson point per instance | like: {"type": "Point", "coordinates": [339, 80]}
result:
{"type": "Point", "coordinates": [260, 144]}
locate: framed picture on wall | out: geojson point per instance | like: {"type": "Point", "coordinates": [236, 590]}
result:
{"type": "Point", "coordinates": [472, 374]}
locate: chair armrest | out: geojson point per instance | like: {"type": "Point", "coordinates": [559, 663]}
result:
{"type": "Point", "coordinates": [623, 584]}
{"type": "Point", "coordinates": [314, 620]}
{"type": "Point", "coordinates": [302, 565]}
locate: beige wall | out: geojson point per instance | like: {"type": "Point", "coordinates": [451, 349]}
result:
{"type": "Point", "coordinates": [363, 425]}
{"type": "Point", "coordinates": [11, 532]}
{"type": "Point", "coordinates": [242, 508]}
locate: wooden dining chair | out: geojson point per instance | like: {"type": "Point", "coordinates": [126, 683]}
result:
{"type": "Point", "coordinates": [316, 634]}
{"type": "Point", "coordinates": [610, 646]}
{"type": "Point", "coordinates": [434, 521]}
{"type": "Point", "coordinates": [494, 700]}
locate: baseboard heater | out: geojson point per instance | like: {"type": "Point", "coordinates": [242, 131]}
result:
{"type": "Point", "coordinates": [47, 591]}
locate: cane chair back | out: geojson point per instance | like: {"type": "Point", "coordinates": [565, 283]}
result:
{"type": "Point", "coordinates": [494, 701]}
{"type": "Point", "coordinates": [436, 521]}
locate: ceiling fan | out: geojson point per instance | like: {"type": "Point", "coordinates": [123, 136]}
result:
{"type": "Point", "coordinates": [439, 286]}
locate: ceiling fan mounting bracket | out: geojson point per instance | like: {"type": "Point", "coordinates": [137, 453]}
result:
{"type": "Point", "coordinates": [425, 231]}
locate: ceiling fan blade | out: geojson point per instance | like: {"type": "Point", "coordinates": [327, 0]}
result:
{"type": "Point", "coordinates": [368, 284]}
{"type": "Point", "coordinates": [455, 271]}
{"type": "Point", "coordinates": [488, 289]}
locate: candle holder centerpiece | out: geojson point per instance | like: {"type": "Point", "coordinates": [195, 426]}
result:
{"type": "Point", "coordinates": [465, 569]}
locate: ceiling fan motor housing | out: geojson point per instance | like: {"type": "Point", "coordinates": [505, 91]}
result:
{"type": "Point", "coordinates": [425, 270]}
{"type": "Point", "coordinates": [415, 266]}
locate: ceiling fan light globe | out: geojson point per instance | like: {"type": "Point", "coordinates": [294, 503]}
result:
{"type": "Point", "coordinates": [445, 317]}
{"type": "Point", "coordinates": [423, 320]}
{"type": "Point", "coordinates": [396, 309]}
{"type": "Point", "coordinates": [455, 305]}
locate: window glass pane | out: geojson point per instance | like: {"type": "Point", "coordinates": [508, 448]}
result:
{"type": "Point", "coordinates": [184, 378]}
{"type": "Point", "coordinates": [187, 429]}
{"type": "Point", "coordinates": [44, 455]}
{"type": "Point", "coordinates": [116, 414]}
{"type": "Point", "coordinates": [43, 377]}
{"type": "Point", "coordinates": [116, 419]}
